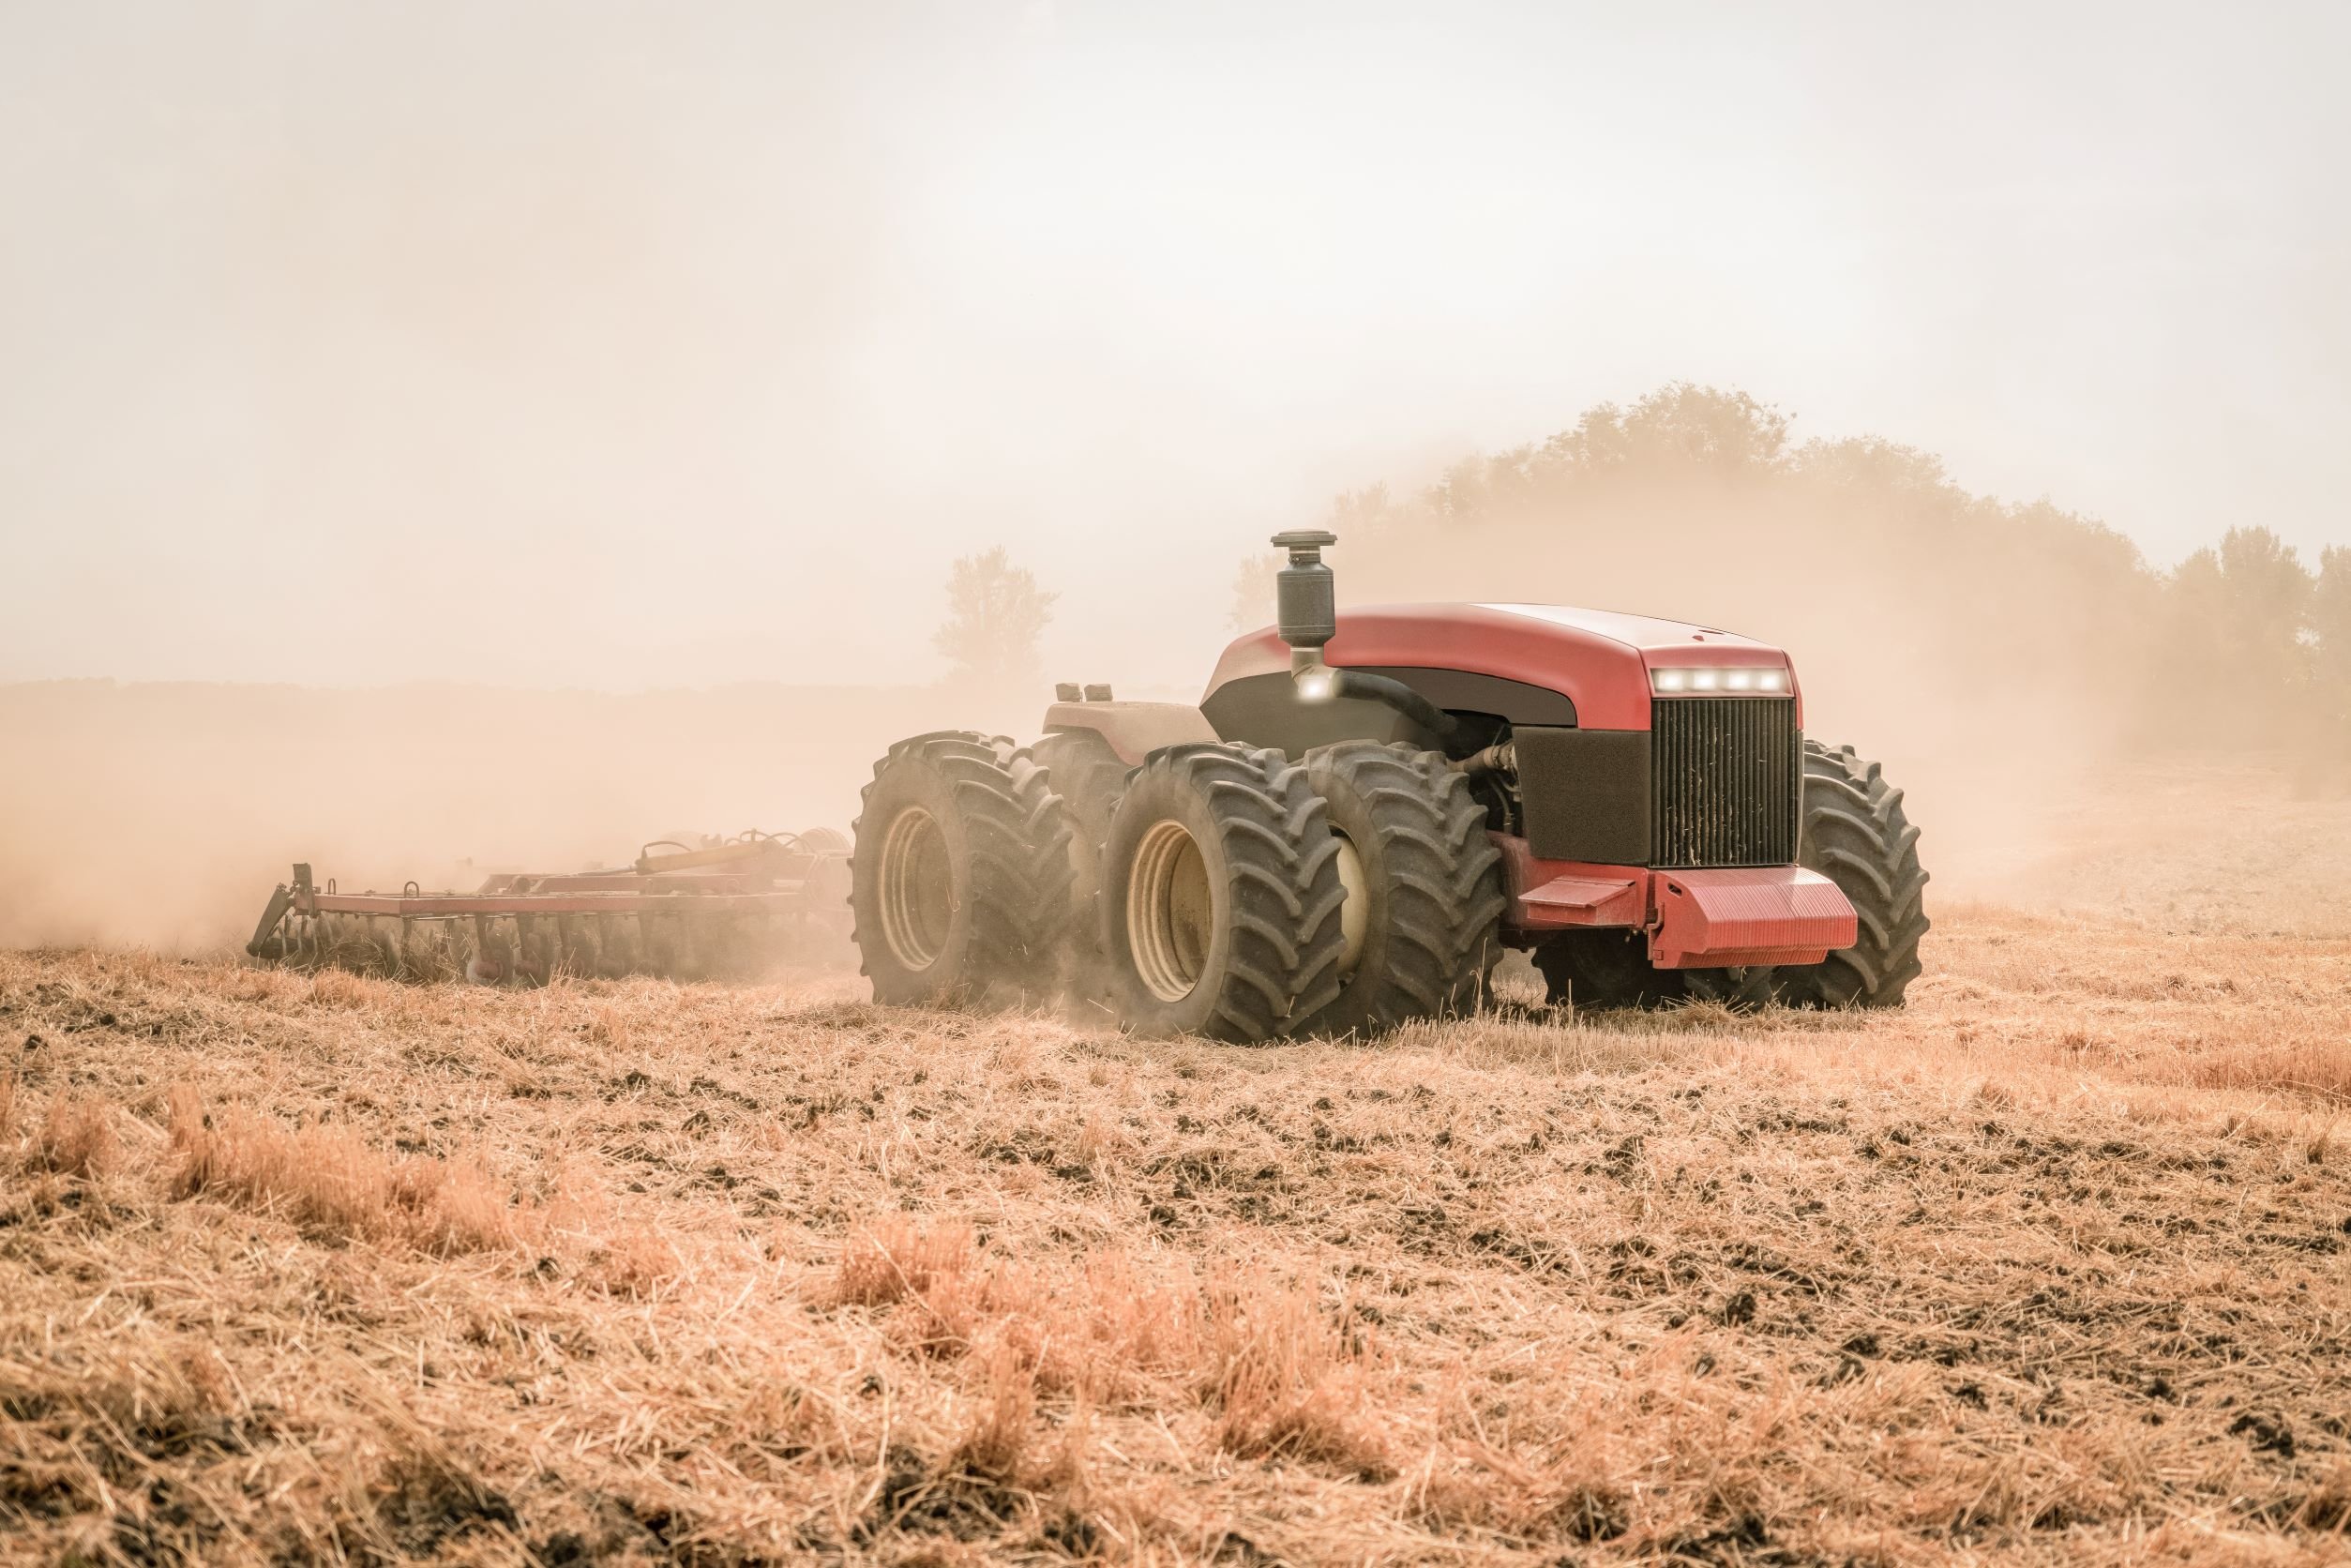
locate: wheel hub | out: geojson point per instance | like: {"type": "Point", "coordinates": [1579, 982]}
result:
{"type": "Point", "coordinates": [917, 889]}
{"type": "Point", "coordinates": [1170, 912]}
{"type": "Point", "coordinates": [1355, 914]}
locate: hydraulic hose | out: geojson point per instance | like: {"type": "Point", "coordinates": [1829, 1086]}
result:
{"type": "Point", "coordinates": [1308, 618]}
{"type": "Point", "coordinates": [1385, 689]}
{"type": "Point", "coordinates": [1501, 757]}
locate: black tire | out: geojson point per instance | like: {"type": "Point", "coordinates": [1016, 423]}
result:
{"type": "Point", "coordinates": [1857, 836]}
{"type": "Point", "coordinates": [1605, 968]}
{"type": "Point", "coordinates": [959, 878]}
{"type": "Point", "coordinates": [1090, 777]}
{"type": "Point", "coordinates": [821, 841]}
{"type": "Point", "coordinates": [1219, 912]}
{"type": "Point", "coordinates": [1429, 930]}
{"type": "Point", "coordinates": [1741, 990]}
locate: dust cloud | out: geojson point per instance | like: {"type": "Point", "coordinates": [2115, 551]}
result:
{"type": "Point", "coordinates": [495, 437]}
{"type": "Point", "coordinates": [2008, 666]}
{"type": "Point", "coordinates": [160, 815]}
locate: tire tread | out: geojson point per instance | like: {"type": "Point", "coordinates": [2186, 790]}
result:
{"type": "Point", "coordinates": [1018, 836]}
{"type": "Point", "coordinates": [1857, 834]}
{"type": "Point", "coordinates": [1444, 885]}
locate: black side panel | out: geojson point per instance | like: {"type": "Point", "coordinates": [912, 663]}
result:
{"type": "Point", "coordinates": [1264, 710]}
{"type": "Point", "coordinates": [1585, 793]}
{"type": "Point", "coordinates": [1467, 691]}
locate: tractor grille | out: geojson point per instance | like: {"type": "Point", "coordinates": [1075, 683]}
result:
{"type": "Point", "coordinates": [1728, 776]}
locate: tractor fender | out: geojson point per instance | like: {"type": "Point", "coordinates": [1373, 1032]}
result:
{"type": "Point", "coordinates": [1134, 729]}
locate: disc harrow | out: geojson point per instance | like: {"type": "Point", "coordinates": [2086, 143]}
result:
{"type": "Point", "coordinates": [723, 909]}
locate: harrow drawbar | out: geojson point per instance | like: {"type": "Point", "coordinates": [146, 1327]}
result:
{"type": "Point", "coordinates": [728, 907]}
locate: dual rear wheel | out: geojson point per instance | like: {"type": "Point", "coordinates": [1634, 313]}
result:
{"type": "Point", "coordinates": [1229, 892]}
{"type": "Point", "coordinates": [1220, 904]}
{"type": "Point", "coordinates": [959, 883]}
{"type": "Point", "coordinates": [1216, 890]}
{"type": "Point", "coordinates": [1244, 895]}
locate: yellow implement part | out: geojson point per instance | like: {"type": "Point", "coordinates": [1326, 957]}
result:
{"type": "Point", "coordinates": [680, 858]}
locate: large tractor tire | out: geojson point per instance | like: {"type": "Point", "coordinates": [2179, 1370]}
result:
{"type": "Point", "coordinates": [1421, 927]}
{"type": "Point", "coordinates": [1857, 836]}
{"type": "Point", "coordinates": [1220, 895]}
{"type": "Point", "coordinates": [1090, 777]}
{"type": "Point", "coordinates": [959, 879]}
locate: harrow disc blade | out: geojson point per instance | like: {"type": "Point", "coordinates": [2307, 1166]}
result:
{"type": "Point", "coordinates": [732, 909]}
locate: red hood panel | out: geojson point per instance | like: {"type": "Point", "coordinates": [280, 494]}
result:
{"type": "Point", "coordinates": [1644, 632]}
{"type": "Point", "coordinates": [1599, 658]}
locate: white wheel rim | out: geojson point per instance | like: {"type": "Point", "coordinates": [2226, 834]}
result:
{"type": "Point", "coordinates": [1170, 912]}
{"type": "Point", "coordinates": [917, 889]}
{"type": "Point", "coordinates": [1355, 914]}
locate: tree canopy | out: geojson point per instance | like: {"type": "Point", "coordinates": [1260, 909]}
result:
{"type": "Point", "coordinates": [995, 614]}
{"type": "Point", "coordinates": [1908, 601]}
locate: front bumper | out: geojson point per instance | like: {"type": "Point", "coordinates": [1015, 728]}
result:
{"type": "Point", "coordinates": [1719, 918]}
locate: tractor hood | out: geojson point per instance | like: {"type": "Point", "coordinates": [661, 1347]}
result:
{"type": "Point", "coordinates": [1598, 659]}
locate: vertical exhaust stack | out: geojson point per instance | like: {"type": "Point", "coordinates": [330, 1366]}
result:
{"type": "Point", "coordinates": [1307, 606]}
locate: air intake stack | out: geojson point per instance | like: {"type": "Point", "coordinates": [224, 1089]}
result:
{"type": "Point", "coordinates": [1307, 606]}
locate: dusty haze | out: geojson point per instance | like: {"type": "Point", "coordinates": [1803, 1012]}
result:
{"type": "Point", "coordinates": [162, 815]}
{"type": "Point", "coordinates": [581, 344]}
{"type": "Point", "coordinates": [439, 438]}
{"type": "Point", "coordinates": [587, 401]}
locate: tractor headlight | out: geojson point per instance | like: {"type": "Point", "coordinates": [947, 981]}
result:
{"type": "Point", "coordinates": [1737, 680]}
{"type": "Point", "coordinates": [1316, 686]}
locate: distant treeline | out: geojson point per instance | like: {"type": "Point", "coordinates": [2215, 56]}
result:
{"type": "Point", "coordinates": [1908, 601]}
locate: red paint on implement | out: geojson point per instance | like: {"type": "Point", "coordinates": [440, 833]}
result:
{"type": "Point", "coordinates": [532, 903]}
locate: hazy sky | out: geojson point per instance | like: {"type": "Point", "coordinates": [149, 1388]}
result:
{"type": "Point", "coordinates": [634, 345]}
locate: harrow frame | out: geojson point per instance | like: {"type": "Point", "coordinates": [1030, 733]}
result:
{"type": "Point", "coordinates": [728, 907]}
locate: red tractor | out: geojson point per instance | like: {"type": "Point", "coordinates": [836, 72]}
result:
{"type": "Point", "coordinates": [1365, 809]}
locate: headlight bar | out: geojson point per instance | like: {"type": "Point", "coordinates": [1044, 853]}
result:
{"type": "Point", "coordinates": [1733, 680]}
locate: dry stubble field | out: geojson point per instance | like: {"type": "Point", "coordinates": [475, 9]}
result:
{"type": "Point", "coordinates": [2049, 1267]}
